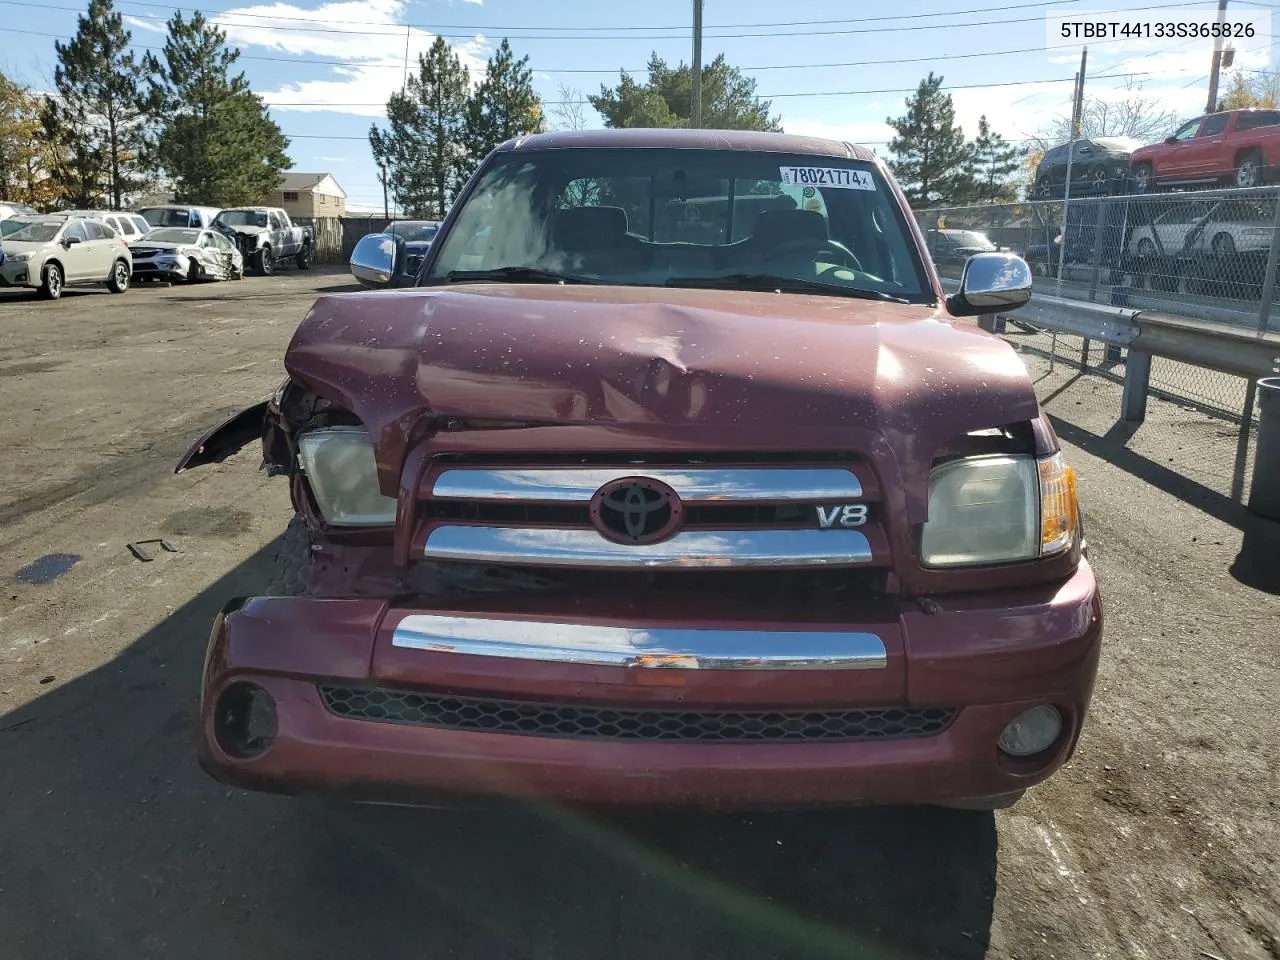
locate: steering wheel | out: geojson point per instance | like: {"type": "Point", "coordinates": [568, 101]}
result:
{"type": "Point", "coordinates": [816, 249]}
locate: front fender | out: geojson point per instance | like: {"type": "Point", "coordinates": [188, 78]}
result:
{"type": "Point", "coordinates": [226, 438]}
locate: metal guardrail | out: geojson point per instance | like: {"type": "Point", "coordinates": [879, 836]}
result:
{"type": "Point", "coordinates": [1145, 334]}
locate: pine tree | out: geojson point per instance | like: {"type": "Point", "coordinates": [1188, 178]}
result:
{"type": "Point", "coordinates": [992, 163]}
{"type": "Point", "coordinates": [215, 139]}
{"type": "Point", "coordinates": [424, 151]}
{"type": "Point", "coordinates": [504, 104]}
{"type": "Point", "coordinates": [729, 100]}
{"type": "Point", "coordinates": [96, 116]}
{"type": "Point", "coordinates": [930, 156]}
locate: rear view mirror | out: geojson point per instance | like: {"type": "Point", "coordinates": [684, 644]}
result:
{"type": "Point", "coordinates": [1170, 139]}
{"type": "Point", "coordinates": [378, 259]}
{"type": "Point", "coordinates": [991, 282]}
{"type": "Point", "coordinates": [68, 241]}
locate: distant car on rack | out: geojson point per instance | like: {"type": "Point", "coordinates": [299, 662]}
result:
{"type": "Point", "coordinates": [1239, 148]}
{"type": "Point", "coordinates": [1211, 242]}
{"type": "Point", "coordinates": [186, 254]}
{"type": "Point", "coordinates": [1099, 165]}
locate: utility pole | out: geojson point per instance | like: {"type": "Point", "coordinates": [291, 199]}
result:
{"type": "Point", "coordinates": [1212, 105]}
{"type": "Point", "coordinates": [695, 119]}
{"type": "Point", "coordinates": [386, 211]}
{"type": "Point", "coordinates": [1077, 107]}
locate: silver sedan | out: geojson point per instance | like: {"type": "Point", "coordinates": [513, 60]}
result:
{"type": "Point", "coordinates": [186, 254]}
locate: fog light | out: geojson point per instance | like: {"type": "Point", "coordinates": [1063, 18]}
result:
{"type": "Point", "coordinates": [244, 721]}
{"type": "Point", "coordinates": [1031, 732]}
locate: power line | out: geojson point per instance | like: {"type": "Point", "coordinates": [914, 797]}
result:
{"type": "Point", "coordinates": [827, 31]}
{"type": "Point", "coordinates": [682, 28]}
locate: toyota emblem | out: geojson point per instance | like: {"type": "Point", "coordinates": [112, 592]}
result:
{"type": "Point", "coordinates": [636, 510]}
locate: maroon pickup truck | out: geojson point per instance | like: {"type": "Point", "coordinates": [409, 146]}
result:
{"type": "Point", "coordinates": [672, 480]}
{"type": "Point", "coordinates": [1237, 148]}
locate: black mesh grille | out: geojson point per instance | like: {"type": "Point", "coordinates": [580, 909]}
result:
{"type": "Point", "coordinates": [608, 723]}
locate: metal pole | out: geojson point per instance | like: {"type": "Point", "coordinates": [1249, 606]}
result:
{"type": "Point", "coordinates": [695, 118]}
{"type": "Point", "coordinates": [1211, 105]}
{"type": "Point", "coordinates": [1137, 383]}
{"type": "Point", "coordinates": [1264, 489]}
{"type": "Point", "coordinates": [1269, 280]}
{"type": "Point", "coordinates": [1076, 103]}
{"type": "Point", "coordinates": [404, 83]}
{"type": "Point", "coordinates": [386, 211]}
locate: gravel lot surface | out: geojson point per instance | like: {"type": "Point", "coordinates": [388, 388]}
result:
{"type": "Point", "coordinates": [1159, 840]}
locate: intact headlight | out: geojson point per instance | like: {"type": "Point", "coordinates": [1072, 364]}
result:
{"type": "Point", "coordinates": [339, 464]}
{"type": "Point", "coordinates": [18, 257]}
{"type": "Point", "coordinates": [999, 509]}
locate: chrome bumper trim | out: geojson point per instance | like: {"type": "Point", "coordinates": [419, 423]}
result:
{"type": "Point", "coordinates": [696, 484]}
{"type": "Point", "coordinates": [584, 547]}
{"type": "Point", "coordinates": [658, 647]}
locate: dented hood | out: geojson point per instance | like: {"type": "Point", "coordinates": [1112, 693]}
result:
{"type": "Point", "coordinates": [658, 357]}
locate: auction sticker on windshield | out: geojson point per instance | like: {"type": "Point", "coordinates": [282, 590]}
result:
{"type": "Point", "coordinates": [841, 178]}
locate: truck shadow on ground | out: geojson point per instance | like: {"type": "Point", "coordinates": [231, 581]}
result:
{"type": "Point", "coordinates": [116, 844]}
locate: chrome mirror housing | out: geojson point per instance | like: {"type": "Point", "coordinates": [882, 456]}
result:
{"type": "Point", "coordinates": [991, 282]}
{"type": "Point", "coordinates": [378, 260]}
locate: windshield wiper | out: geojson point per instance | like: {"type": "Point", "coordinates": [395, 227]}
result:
{"type": "Point", "coordinates": [769, 281]}
{"type": "Point", "coordinates": [515, 275]}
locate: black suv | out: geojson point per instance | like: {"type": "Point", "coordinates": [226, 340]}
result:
{"type": "Point", "coordinates": [1098, 166]}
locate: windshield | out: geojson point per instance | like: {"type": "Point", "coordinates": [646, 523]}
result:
{"type": "Point", "coordinates": [415, 231]}
{"type": "Point", "coordinates": [11, 226]}
{"type": "Point", "coordinates": [166, 217]}
{"type": "Point", "coordinates": [242, 218]}
{"type": "Point", "coordinates": [971, 238]}
{"type": "Point", "coordinates": [38, 232]}
{"type": "Point", "coordinates": [653, 217]}
{"type": "Point", "coordinates": [173, 235]}
{"type": "Point", "coordinates": [1118, 144]}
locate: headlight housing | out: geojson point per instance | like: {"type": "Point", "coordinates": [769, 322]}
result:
{"type": "Point", "coordinates": [18, 257]}
{"type": "Point", "coordinates": [340, 466]}
{"type": "Point", "coordinates": [999, 509]}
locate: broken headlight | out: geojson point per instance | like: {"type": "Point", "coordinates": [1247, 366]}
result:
{"type": "Point", "coordinates": [339, 464]}
{"type": "Point", "coordinates": [999, 509]}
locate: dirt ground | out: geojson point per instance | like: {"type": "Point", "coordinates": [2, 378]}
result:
{"type": "Point", "coordinates": [1159, 840]}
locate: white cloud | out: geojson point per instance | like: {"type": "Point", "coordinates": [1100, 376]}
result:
{"type": "Point", "coordinates": [334, 159]}
{"type": "Point", "coordinates": [354, 32]}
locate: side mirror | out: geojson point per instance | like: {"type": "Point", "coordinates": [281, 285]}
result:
{"type": "Point", "coordinates": [68, 241]}
{"type": "Point", "coordinates": [378, 260]}
{"type": "Point", "coordinates": [991, 282]}
{"type": "Point", "coordinates": [1170, 139]}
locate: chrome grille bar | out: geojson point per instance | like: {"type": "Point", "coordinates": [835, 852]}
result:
{"type": "Point", "coordinates": [694, 485]}
{"type": "Point", "coordinates": [584, 547]}
{"type": "Point", "coordinates": [645, 647]}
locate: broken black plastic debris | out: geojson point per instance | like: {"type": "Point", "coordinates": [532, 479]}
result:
{"type": "Point", "coordinates": [47, 568]}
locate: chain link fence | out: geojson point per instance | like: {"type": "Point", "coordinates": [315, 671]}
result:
{"type": "Point", "coordinates": [1201, 255]}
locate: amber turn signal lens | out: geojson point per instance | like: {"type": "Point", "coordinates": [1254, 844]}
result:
{"type": "Point", "coordinates": [1059, 512]}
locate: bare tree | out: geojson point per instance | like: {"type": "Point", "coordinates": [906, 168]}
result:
{"type": "Point", "coordinates": [569, 112]}
{"type": "Point", "coordinates": [1139, 115]}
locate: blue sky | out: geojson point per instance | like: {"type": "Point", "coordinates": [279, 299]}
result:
{"type": "Point", "coordinates": [326, 67]}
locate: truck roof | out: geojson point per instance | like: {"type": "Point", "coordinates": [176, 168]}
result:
{"type": "Point", "coordinates": [682, 139]}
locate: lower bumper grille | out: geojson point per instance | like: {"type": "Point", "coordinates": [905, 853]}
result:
{"type": "Point", "coordinates": [608, 723]}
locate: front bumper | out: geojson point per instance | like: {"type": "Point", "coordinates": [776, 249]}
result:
{"type": "Point", "coordinates": [987, 658]}
{"type": "Point", "coordinates": [171, 269]}
{"type": "Point", "coordinates": [18, 274]}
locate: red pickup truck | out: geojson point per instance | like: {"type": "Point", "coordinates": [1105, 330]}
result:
{"type": "Point", "coordinates": [1235, 147]}
{"type": "Point", "coordinates": [673, 480]}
